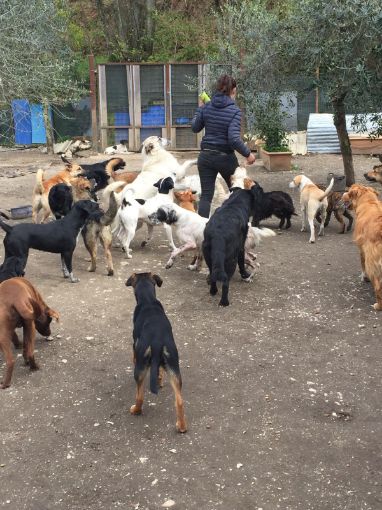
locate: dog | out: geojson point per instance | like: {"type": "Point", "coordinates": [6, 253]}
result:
{"type": "Point", "coordinates": [153, 344]}
{"type": "Point", "coordinates": [374, 175]}
{"type": "Point", "coordinates": [120, 148]}
{"type": "Point", "coordinates": [134, 212]}
{"type": "Point", "coordinates": [61, 196]}
{"type": "Point", "coordinates": [157, 164]}
{"type": "Point", "coordinates": [312, 200]}
{"type": "Point", "coordinates": [21, 305]}
{"type": "Point", "coordinates": [186, 199]}
{"type": "Point", "coordinates": [368, 234]}
{"type": "Point", "coordinates": [56, 237]}
{"type": "Point", "coordinates": [336, 205]}
{"type": "Point", "coordinates": [253, 239]}
{"type": "Point", "coordinates": [272, 203]}
{"type": "Point", "coordinates": [189, 230]}
{"type": "Point", "coordinates": [11, 268]}
{"type": "Point", "coordinates": [224, 239]}
{"type": "Point", "coordinates": [42, 188]}
{"type": "Point", "coordinates": [101, 172]}
{"type": "Point", "coordinates": [61, 199]}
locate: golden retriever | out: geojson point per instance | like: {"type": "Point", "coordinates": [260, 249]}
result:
{"type": "Point", "coordinates": [368, 234]}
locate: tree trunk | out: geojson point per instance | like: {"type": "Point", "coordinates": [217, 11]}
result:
{"type": "Point", "coordinates": [340, 123]}
{"type": "Point", "coordinates": [48, 128]}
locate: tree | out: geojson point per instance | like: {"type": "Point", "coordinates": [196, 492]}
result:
{"type": "Point", "coordinates": [342, 41]}
{"type": "Point", "coordinates": [270, 44]}
{"type": "Point", "coordinates": [35, 60]}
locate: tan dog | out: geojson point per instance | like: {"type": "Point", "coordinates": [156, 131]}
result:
{"type": "Point", "coordinates": [368, 234]}
{"type": "Point", "coordinates": [374, 175]}
{"type": "Point", "coordinates": [21, 305]}
{"type": "Point", "coordinates": [312, 201]}
{"type": "Point", "coordinates": [42, 188]}
{"type": "Point", "coordinates": [186, 199]}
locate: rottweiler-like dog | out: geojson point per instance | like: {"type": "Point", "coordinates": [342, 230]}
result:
{"type": "Point", "coordinates": [154, 346]}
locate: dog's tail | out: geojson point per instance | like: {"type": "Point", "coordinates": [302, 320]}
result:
{"type": "Point", "coordinates": [39, 187]}
{"type": "Point", "coordinates": [114, 186]}
{"type": "Point", "coordinates": [259, 233]}
{"type": "Point", "coordinates": [184, 167]}
{"type": "Point", "coordinates": [6, 227]}
{"type": "Point", "coordinates": [156, 355]}
{"type": "Point", "coordinates": [218, 273]}
{"type": "Point", "coordinates": [111, 164]}
{"type": "Point", "coordinates": [327, 191]}
{"type": "Point", "coordinates": [110, 214]}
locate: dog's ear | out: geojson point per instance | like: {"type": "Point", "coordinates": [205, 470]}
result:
{"type": "Point", "coordinates": [53, 314]}
{"type": "Point", "coordinates": [140, 201]}
{"type": "Point", "coordinates": [131, 281]}
{"type": "Point", "coordinates": [149, 147]}
{"type": "Point", "coordinates": [157, 279]}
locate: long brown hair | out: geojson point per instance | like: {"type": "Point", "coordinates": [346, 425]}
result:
{"type": "Point", "coordinates": [225, 84]}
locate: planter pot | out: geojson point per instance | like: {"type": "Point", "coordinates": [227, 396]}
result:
{"type": "Point", "coordinates": [276, 161]}
{"type": "Point", "coordinates": [363, 145]}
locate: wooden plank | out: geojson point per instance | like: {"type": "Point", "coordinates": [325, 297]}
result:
{"type": "Point", "coordinates": [102, 105]}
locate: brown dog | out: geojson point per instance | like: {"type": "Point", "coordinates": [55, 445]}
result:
{"type": "Point", "coordinates": [21, 305]}
{"type": "Point", "coordinates": [337, 207]}
{"type": "Point", "coordinates": [186, 199]}
{"type": "Point", "coordinates": [368, 234]}
{"type": "Point", "coordinates": [374, 175]}
{"type": "Point", "coordinates": [42, 188]}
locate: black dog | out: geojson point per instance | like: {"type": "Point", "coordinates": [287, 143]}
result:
{"type": "Point", "coordinates": [100, 172]}
{"type": "Point", "coordinates": [56, 237]}
{"type": "Point", "coordinates": [273, 203]}
{"type": "Point", "coordinates": [224, 238]}
{"type": "Point", "coordinates": [154, 344]}
{"type": "Point", "coordinates": [11, 268]}
{"type": "Point", "coordinates": [60, 200]}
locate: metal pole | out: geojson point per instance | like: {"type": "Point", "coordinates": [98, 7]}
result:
{"type": "Point", "coordinates": [93, 102]}
{"type": "Point", "coordinates": [317, 105]}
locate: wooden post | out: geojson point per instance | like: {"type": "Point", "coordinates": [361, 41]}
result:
{"type": "Point", "coordinates": [93, 102]}
{"type": "Point", "coordinates": [317, 106]}
{"type": "Point", "coordinates": [168, 99]}
{"type": "Point", "coordinates": [48, 127]}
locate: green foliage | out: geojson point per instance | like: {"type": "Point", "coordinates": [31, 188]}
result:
{"type": "Point", "coordinates": [178, 38]}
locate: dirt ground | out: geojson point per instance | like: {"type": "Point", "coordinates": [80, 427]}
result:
{"type": "Point", "coordinates": [282, 389]}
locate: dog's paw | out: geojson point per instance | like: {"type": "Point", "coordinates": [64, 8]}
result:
{"type": "Point", "coordinates": [377, 307]}
{"type": "Point", "coordinates": [143, 244]}
{"type": "Point", "coordinates": [33, 365]}
{"type": "Point", "coordinates": [4, 386]}
{"type": "Point", "coordinates": [192, 267]}
{"type": "Point", "coordinates": [224, 302]}
{"type": "Point", "coordinates": [135, 410]}
{"type": "Point", "coordinates": [302, 229]}
{"type": "Point", "coordinates": [110, 272]}
{"type": "Point", "coordinates": [169, 265]}
{"type": "Point", "coordinates": [181, 426]}
{"type": "Point", "coordinates": [312, 241]}
{"type": "Point", "coordinates": [364, 277]}
{"type": "Point", "coordinates": [91, 269]}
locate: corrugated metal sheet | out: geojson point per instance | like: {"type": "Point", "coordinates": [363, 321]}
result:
{"type": "Point", "coordinates": [322, 134]}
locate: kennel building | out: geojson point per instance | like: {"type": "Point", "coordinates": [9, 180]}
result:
{"type": "Point", "coordinates": [140, 100]}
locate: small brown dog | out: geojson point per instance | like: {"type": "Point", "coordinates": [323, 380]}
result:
{"type": "Point", "coordinates": [21, 305]}
{"type": "Point", "coordinates": [336, 206]}
{"type": "Point", "coordinates": [42, 188]}
{"type": "Point", "coordinates": [368, 234]}
{"type": "Point", "coordinates": [186, 199]}
{"type": "Point", "coordinates": [374, 175]}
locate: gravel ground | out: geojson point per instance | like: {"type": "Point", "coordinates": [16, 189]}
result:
{"type": "Point", "coordinates": [282, 389]}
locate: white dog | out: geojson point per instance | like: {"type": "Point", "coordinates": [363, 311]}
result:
{"type": "Point", "coordinates": [312, 200]}
{"type": "Point", "coordinates": [133, 213]}
{"type": "Point", "coordinates": [120, 148]}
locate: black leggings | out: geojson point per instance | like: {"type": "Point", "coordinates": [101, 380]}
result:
{"type": "Point", "coordinates": [210, 164]}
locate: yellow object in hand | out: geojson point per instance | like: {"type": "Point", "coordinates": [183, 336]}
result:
{"type": "Point", "coordinates": [204, 97]}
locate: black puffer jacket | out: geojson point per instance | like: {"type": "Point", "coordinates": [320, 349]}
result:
{"type": "Point", "coordinates": [221, 119]}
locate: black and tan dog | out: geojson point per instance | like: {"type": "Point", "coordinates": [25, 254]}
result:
{"type": "Point", "coordinates": [21, 305]}
{"type": "Point", "coordinates": [154, 346]}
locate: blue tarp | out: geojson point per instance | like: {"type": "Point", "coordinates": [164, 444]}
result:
{"type": "Point", "coordinates": [37, 121]}
{"type": "Point", "coordinates": [22, 121]}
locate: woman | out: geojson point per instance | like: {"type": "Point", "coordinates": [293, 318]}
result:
{"type": "Point", "coordinates": [221, 119]}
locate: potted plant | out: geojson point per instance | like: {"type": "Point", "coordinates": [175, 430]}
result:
{"type": "Point", "coordinates": [269, 125]}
